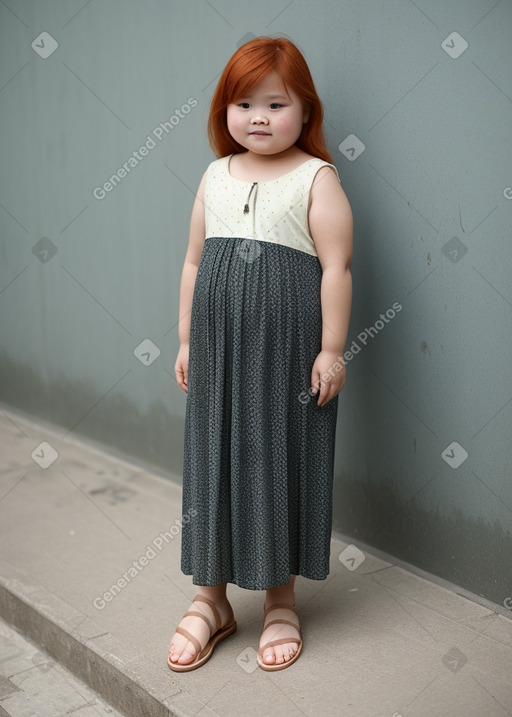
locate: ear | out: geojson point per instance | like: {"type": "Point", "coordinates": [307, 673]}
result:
{"type": "Point", "coordinates": [305, 115]}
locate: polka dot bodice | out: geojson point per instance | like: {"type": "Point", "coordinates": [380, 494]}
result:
{"type": "Point", "coordinates": [275, 211]}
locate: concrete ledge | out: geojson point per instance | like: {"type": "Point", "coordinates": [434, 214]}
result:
{"type": "Point", "coordinates": [380, 637]}
{"type": "Point", "coordinates": [125, 679]}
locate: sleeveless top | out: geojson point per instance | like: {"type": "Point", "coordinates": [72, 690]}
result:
{"type": "Point", "coordinates": [275, 211]}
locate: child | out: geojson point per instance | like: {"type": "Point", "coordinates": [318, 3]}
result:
{"type": "Point", "coordinates": [265, 301]}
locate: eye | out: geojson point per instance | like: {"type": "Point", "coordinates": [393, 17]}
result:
{"type": "Point", "coordinates": [241, 104]}
{"type": "Point", "coordinates": [274, 104]}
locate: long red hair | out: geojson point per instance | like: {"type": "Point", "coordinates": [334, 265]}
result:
{"type": "Point", "coordinates": [249, 65]}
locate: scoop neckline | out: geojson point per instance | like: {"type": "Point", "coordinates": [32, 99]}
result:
{"type": "Point", "coordinates": [268, 181]}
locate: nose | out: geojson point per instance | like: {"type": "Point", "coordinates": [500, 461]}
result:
{"type": "Point", "coordinates": [258, 119]}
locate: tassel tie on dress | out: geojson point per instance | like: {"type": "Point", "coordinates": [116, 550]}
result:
{"type": "Point", "coordinates": [246, 207]}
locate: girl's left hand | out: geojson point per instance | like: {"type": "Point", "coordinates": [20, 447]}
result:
{"type": "Point", "coordinates": [327, 376]}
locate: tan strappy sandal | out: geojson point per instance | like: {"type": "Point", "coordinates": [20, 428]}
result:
{"type": "Point", "coordinates": [281, 665]}
{"type": "Point", "coordinates": [217, 634]}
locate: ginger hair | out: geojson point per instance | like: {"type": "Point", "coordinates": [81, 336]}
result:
{"type": "Point", "coordinates": [248, 66]}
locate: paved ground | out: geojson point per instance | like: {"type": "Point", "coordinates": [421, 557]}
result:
{"type": "Point", "coordinates": [89, 570]}
{"type": "Point", "coordinates": [34, 685]}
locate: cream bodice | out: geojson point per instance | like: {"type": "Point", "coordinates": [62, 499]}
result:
{"type": "Point", "coordinates": [275, 211]}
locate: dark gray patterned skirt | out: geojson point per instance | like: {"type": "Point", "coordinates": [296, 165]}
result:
{"type": "Point", "coordinates": [258, 451]}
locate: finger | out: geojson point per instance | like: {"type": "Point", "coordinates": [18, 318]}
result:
{"type": "Point", "coordinates": [331, 392]}
{"type": "Point", "coordinates": [315, 382]}
{"type": "Point", "coordinates": [323, 393]}
{"type": "Point", "coordinates": [181, 378]}
{"type": "Point", "coordinates": [331, 389]}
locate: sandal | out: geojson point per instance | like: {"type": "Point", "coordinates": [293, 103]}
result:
{"type": "Point", "coordinates": [281, 665]}
{"type": "Point", "coordinates": [217, 634]}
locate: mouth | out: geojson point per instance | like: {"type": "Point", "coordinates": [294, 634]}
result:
{"type": "Point", "coordinates": [264, 134]}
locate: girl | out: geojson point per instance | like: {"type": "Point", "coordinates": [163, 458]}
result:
{"type": "Point", "coordinates": [265, 301]}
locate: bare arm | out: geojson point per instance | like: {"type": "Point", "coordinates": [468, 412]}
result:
{"type": "Point", "coordinates": [187, 284]}
{"type": "Point", "coordinates": [331, 227]}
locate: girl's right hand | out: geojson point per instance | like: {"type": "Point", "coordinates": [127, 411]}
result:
{"type": "Point", "coordinates": [181, 367]}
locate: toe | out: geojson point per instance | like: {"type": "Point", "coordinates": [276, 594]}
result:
{"type": "Point", "coordinates": [174, 656]}
{"type": "Point", "coordinates": [269, 656]}
{"type": "Point", "coordinates": [187, 656]}
{"type": "Point", "coordinates": [174, 653]}
{"type": "Point", "coordinates": [182, 655]}
{"type": "Point", "coordinates": [279, 655]}
{"type": "Point", "coordinates": [291, 649]}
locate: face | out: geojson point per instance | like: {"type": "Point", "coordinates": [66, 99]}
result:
{"type": "Point", "coordinates": [269, 119]}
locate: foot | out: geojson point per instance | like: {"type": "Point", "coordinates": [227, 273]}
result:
{"type": "Point", "coordinates": [279, 654]}
{"type": "Point", "coordinates": [181, 650]}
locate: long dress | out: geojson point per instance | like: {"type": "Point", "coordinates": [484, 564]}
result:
{"type": "Point", "coordinates": [258, 450]}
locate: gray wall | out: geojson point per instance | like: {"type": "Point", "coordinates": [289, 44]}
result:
{"type": "Point", "coordinates": [84, 280]}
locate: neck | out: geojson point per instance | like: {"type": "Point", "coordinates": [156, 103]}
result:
{"type": "Point", "coordinates": [263, 159]}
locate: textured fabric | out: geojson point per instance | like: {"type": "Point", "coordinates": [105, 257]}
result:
{"type": "Point", "coordinates": [258, 456]}
{"type": "Point", "coordinates": [282, 205]}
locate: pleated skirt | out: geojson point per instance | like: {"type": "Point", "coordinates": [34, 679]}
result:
{"type": "Point", "coordinates": [258, 450]}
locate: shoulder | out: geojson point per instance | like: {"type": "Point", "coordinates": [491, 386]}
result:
{"type": "Point", "coordinates": [327, 195]}
{"type": "Point", "coordinates": [316, 167]}
{"type": "Point", "coordinates": [324, 169]}
{"type": "Point", "coordinates": [218, 163]}
{"type": "Point", "coordinates": [325, 179]}
{"type": "Point", "coordinates": [315, 170]}
{"type": "Point", "coordinates": [203, 184]}
{"type": "Point", "coordinates": [213, 170]}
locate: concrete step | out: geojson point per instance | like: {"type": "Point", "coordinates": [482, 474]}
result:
{"type": "Point", "coordinates": [90, 571]}
{"type": "Point", "coordinates": [31, 683]}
